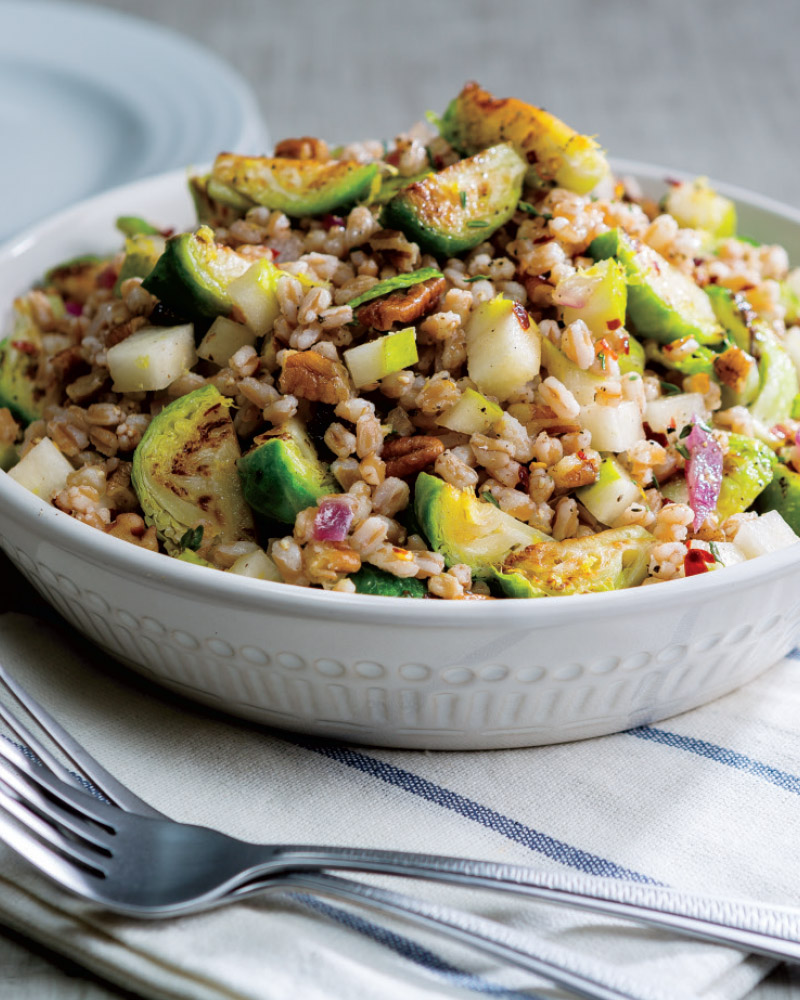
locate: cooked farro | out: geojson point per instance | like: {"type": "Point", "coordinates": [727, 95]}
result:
{"type": "Point", "coordinates": [476, 388]}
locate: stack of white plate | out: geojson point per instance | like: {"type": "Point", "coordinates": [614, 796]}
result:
{"type": "Point", "coordinates": [90, 99]}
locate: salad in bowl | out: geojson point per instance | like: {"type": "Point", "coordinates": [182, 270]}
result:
{"type": "Point", "coordinates": [468, 364]}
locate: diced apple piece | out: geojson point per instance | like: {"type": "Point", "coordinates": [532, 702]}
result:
{"type": "Point", "coordinates": [372, 361]}
{"type": "Point", "coordinates": [152, 358]}
{"type": "Point", "coordinates": [696, 205]}
{"type": "Point", "coordinates": [472, 414]}
{"type": "Point", "coordinates": [611, 494]}
{"type": "Point", "coordinates": [503, 347]}
{"type": "Point", "coordinates": [258, 565]}
{"type": "Point", "coordinates": [224, 338]}
{"type": "Point", "coordinates": [43, 470]}
{"type": "Point", "coordinates": [255, 294]}
{"type": "Point", "coordinates": [598, 295]}
{"type": "Point", "coordinates": [767, 533]}
{"type": "Point", "coordinates": [582, 384]}
{"type": "Point", "coordinates": [613, 428]}
{"type": "Point", "coordinates": [727, 553]}
{"type": "Point", "coordinates": [674, 412]}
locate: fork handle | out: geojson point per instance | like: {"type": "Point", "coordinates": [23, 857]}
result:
{"type": "Point", "coordinates": [554, 964]}
{"type": "Point", "coordinates": [751, 927]}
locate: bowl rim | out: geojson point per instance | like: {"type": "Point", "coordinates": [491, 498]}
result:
{"type": "Point", "coordinates": [62, 530]}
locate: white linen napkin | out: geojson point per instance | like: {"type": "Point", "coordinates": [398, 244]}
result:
{"type": "Point", "coordinates": [708, 800]}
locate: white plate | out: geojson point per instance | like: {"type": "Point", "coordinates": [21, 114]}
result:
{"type": "Point", "coordinates": [90, 99]}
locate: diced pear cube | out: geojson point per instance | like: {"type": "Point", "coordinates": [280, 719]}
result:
{"type": "Point", "coordinates": [43, 470]}
{"type": "Point", "coordinates": [674, 412]}
{"type": "Point", "coordinates": [224, 338]}
{"type": "Point", "coordinates": [503, 347]}
{"type": "Point", "coordinates": [472, 414]}
{"type": "Point", "coordinates": [598, 295]}
{"type": "Point", "coordinates": [152, 358]}
{"type": "Point", "coordinates": [257, 565]}
{"type": "Point", "coordinates": [767, 533]}
{"type": "Point", "coordinates": [613, 428]}
{"type": "Point", "coordinates": [611, 494]}
{"type": "Point", "coordinates": [372, 361]}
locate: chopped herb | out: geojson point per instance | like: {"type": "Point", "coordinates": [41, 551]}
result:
{"type": "Point", "coordinates": [434, 119]}
{"type": "Point", "coordinates": [431, 157]}
{"type": "Point", "coordinates": [487, 497]}
{"type": "Point", "coordinates": [669, 389]}
{"type": "Point", "coordinates": [192, 538]}
{"type": "Point", "coordinates": [477, 224]}
{"type": "Point", "coordinates": [601, 357]}
{"type": "Point", "coordinates": [531, 210]}
{"type": "Point", "coordinates": [685, 431]}
{"type": "Point", "coordinates": [715, 551]}
{"type": "Point", "coordinates": [477, 277]}
{"type": "Point", "coordinates": [655, 480]}
{"type": "Point", "coordinates": [682, 450]}
{"type": "Point", "coordinates": [463, 198]}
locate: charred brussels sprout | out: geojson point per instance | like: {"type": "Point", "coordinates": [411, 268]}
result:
{"type": "Point", "coordinates": [282, 475]}
{"type": "Point", "coordinates": [466, 529]}
{"type": "Point", "coordinates": [184, 473]}
{"type": "Point", "coordinates": [609, 560]}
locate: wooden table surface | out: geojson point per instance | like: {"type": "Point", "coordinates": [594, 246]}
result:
{"type": "Point", "coordinates": [712, 88]}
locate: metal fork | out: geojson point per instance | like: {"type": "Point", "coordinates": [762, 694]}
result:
{"type": "Point", "coordinates": [48, 800]}
{"type": "Point", "coordinates": [236, 870]}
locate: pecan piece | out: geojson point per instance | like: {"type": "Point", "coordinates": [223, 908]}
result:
{"type": "Point", "coordinates": [403, 306]}
{"type": "Point", "coordinates": [313, 376]}
{"type": "Point", "coordinates": [121, 332]}
{"type": "Point", "coordinates": [732, 367]}
{"type": "Point", "coordinates": [327, 562]}
{"type": "Point", "coordinates": [304, 148]}
{"type": "Point", "coordinates": [405, 456]}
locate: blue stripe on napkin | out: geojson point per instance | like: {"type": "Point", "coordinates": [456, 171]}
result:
{"type": "Point", "coordinates": [513, 829]}
{"type": "Point", "coordinates": [721, 755]}
{"type": "Point", "coordinates": [412, 951]}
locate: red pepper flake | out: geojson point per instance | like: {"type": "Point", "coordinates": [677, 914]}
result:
{"type": "Point", "coordinates": [673, 182]}
{"type": "Point", "coordinates": [166, 233]}
{"type": "Point", "coordinates": [330, 221]}
{"type": "Point", "coordinates": [543, 239]}
{"type": "Point", "coordinates": [524, 477]}
{"type": "Point", "coordinates": [697, 561]}
{"type": "Point", "coordinates": [697, 261]}
{"type": "Point", "coordinates": [656, 436]}
{"type": "Point", "coordinates": [582, 455]}
{"type": "Point", "coordinates": [394, 157]}
{"type": "Point", "coordinates": [614, 324]}
{"type": "Point", "coordinates": [602, 346]}
{"type": "Point", "coordinates": [522, 315]}
{"type": "Point", "coordinates": [24, 346]}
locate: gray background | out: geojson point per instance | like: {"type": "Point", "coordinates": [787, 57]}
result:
{"type": "Point", "coordinates": [707, 86]}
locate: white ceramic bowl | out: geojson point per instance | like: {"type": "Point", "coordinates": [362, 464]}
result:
{"type": "Point", "coordinates": [402, 673]}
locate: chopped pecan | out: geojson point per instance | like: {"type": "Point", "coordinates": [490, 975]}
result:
{"type": "Point", "coordinates": [405, 456]}
{"type": "Point", "coordinates": [396, 249]}
{"type": "Point", "coordinates": [9, 428]}
{"type": "Point", "coordinates": [403, 306]}
{"type": "Point", "coordinates": [313, 376]}
{"type": "Point", "coordinates": [121, 332]}
{"type": "Point", "coordinates": [304, 148]}
{"type": "Point", "coordinates": [68, 364]}
{"type": "Point", "coordinates": [327, 562]}
{"type": "Point", "coordinates": [732, 367]}
{"type": "Point", "coordinates": [131, 528]}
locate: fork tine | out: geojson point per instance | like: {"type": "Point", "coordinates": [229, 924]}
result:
{"type": "Point", "coordinates": [36, 747]}
{"type": "Point", "coordinates": [29, 818]}
{"type": "Point", "coordinates": [41, 856]}
{"type": "Point", "coordinates": [30, 794]}
{"type": "Point", "coordinates": [82, 760]}
{"type": "Point", "coordinates": [83, 803]}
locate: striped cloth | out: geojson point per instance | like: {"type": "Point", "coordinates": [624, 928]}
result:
{"type": "Point", "coordinates": [708, 800]}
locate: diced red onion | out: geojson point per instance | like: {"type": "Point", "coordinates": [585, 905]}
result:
{"type": "Point", "coordinates": [703, 471]}
{"type": "Point", "coordinates": [73, 308]}
{"type": "Point", "coordinates": [333, 520]}
{"type": "Point", "coordinates": [797, 437]}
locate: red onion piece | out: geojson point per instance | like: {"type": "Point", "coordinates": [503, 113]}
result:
{"type": "Point", "coordinates": [703, 471]}
{"type": "Point", "coordinates": [797, 437]}
{"type": "Point", "coordinates": [333, 520]}
{"type": "Point", "coordinates": [73, 308]}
